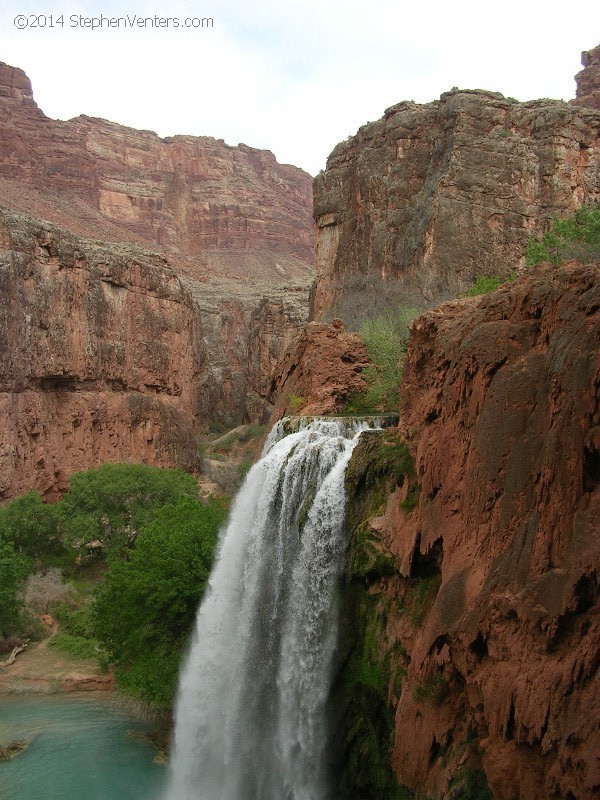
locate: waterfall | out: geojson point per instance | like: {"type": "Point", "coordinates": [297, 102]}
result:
{"type": "Point", "coordinates": [250, 716]}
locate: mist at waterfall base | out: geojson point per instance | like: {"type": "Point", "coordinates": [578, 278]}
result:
{"type": "Point", "coordinates": [250, 717]}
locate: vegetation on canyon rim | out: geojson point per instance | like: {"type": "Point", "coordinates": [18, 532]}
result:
{"type": "Point", "coordinates": [575, 237]}
{"type": "Point", "coordinates": [136, 546]}
{"type": "Point", "coordinates": [385, 338]}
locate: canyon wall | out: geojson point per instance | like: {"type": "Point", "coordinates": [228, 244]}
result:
{"type": "Point", "coordinates": [218, 209]}
{"type": "Point", "coordinates": [588, 80]}
{"type": "Point", "coordinates": [501, 408]}
{"type": "Point", "coordinates": [416, 205]}
{"type": "Point", "coordinates": [470, 636]}
{"type": "Point", "coordinates": [149, 287]}
{"type": "Point", "coordinates": [100, 357]}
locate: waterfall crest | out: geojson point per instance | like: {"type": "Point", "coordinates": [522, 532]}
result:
{"type": "Point", "coordinates": [250, 717]}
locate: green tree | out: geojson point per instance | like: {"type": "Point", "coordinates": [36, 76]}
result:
{"type": "Point", "coordinates": [110, 504]}
{"type": "Point", "coordinates": [574, 237]}
{"type": "Point", "coordinates": [13, 569]}
{"type": "Point", "coordinates": [30, 524]}
{"type": "Point", "coordinates": [145, 608]}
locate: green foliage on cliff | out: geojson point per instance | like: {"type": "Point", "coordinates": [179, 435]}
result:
{"type": "Point", "coordinates": [145, 607]}
{"type": "Point", "coordinates": [374, 665]}
{"type": "Point", "coordinates": [575, 237]}
{"type": "Point", "coordinates": [368, 720]}
{"type": "Point", "coordinates": [433, 689]}
{"type": "Point", "coordinates": [485, 284]}
{"type": "Point", "coordinates": [385, 339]}
{"type": "Point", "coordinates": [470, 784]}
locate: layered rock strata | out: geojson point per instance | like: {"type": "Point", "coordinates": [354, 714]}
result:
{"type": "Point", "coordinates": [106, 354]}
{"type": "Point", "coordinates": [416, 205]}
{"type": "Point", "coordinates": [100, 357]}
{"type": "Point", "coordinates": [219, 209]}
{"type": "Point", "coordinates": [150, 287]}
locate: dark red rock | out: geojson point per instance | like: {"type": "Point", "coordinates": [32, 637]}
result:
{"type": "Point", "coordinates": [501, 407]}
{"type": "Point", "coordinates": [321, 370]}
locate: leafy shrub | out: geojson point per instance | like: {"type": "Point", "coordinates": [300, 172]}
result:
{"type": "Point", "coordinates": [425, 591]}
{"type": "Point", "coordinates": [31, 526]}
{"type": "Point", "coordinates": [294, 402]}
{"type": "Point", "coordinates": [75, 621]}
{"type": "Point", "coordinates": [385, 339]}
{"type": "Point", "coordinates": [146, 606]}
{"type": "Point", "coordinates": [243, 468]}
{"type": "Point", "coordinates": [109, 505]}
{"type": "Point", "coordinates": [484, 284]}
{"type": "Point", "coordinates": [574, 237]}
{"type": "Point", "coordinates": [77, 646]}
{"type": "Point", "coordinates": [13, 569]}
{"type": "Point", "coordinates": [412, 498]}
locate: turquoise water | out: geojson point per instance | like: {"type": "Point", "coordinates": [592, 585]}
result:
{"type": "Point", "coordinates": [80, 750]}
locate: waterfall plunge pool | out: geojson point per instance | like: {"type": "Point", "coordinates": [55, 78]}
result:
{"type": "Point", "coordinates": [80, 748]}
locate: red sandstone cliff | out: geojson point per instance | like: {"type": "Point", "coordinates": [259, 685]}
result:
{"type": "Point", "coordinates": [320, 372]}
{"type": "Point", "coordinates": [100, 357]}
{"type": "Point", "coordinates": [110, 350]}
{"type": "Point", "coordinates": [588, 80]}
{"type": "Point", "coordinates": [416, 205]}
{"type": "Point", "coordinates": [488, 598]}
{"type": "Point", "coordinates": [501, 406]}
{"type": "Point", "coordinates": [489, 601]}
{"type": "Point", "coordinates": [219, 209]}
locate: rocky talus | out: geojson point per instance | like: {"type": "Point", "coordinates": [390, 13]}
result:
{"type": "Point", "coordinates": [416, 205]}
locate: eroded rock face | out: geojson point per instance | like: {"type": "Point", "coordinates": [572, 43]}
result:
{"type": "Point", "coordinates": [100, 357]}
{"type": "Point", "coordinates": [588, 80]}
{"type": "Point", "coordinates": [416, 205]}
{"type": "Point", "coordinates": [112, 352]}
{"type": "Point", "coordinates": [320, 372]}
{"type": "Point", "coordinates": [501, 408]}
{"type": "Point", "coordinates": [220, 209]}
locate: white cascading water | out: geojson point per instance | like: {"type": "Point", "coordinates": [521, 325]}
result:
{"type": "Point", "coordinates": [250, 717]}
